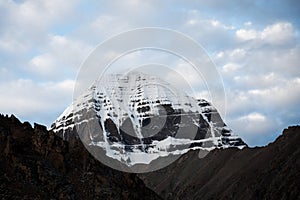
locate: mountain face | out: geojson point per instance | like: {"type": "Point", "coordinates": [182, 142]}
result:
{"type": "Point", "coordinates": [37, 164]}
{"type": "Point", "coordinates": [138, 118]}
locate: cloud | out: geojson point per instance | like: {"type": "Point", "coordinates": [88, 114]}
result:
{"type": "Point", "coordinates": [43, 64]}
{"type": "Point", "coordinates": [24, 36]}
{"type": "Point", "coordinates": [212, 23]}
{"type": "Point", "coordinates": [267, 83]}
{"type": "Point", "coordinates": [69, 51]}
{"type": "Point", "coordinates": [280, 96]}
{"type": "Point", "coordinates": [35, 102]}
{"type": "Point", "coordinates": [259, 81]}
{"type": "Point", "coordinates": [280, 33]}
{"type": "Point", "coordinates": [254, 127]}
{"type": "Point", "coordinates": [238, 53]}
{"type": "Point", "coordinates": [98, 28]}
{"type": "Point", "coordinates": [255, 46]}
{"type": "Point", "coordinates": [283, 61]}
{"type": "Point", "coordinates": [268, 97]}
{"type": "Point", "coordinates": [62, 60]}
{"type": "Point", "coordinates": [243, 34]}
{"type": "Point", "coordinates": [259, 13]}
{"type": "Point", "coordinates": [253, 117]}
{"type": "Point", "coordinates": [28, 23]}
{"type": "Point", "coordinates": [189, 74]}
{"type": "Point", "coordinates": [210, 32]}
{"type": "Point", "coordinates": [248, 23]}
{"type": "Point", "coordinates": [259, 114]}
{"type": "Point", "coordinates": [6, 74]}
{"type": "Point", "coordinates": [230, 67]}
{"type": "Point", "coordinates": [10, 45]}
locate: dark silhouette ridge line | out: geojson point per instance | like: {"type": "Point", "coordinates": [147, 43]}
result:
{"type": "Point", "coordinates": [270, 172]}
{"type": "Point", "coordinates": [35, 163]}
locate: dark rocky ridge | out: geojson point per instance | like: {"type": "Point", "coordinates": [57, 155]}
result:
{"type": "Point", "coordinates": [271, 172]}
{"type": "Point", "coordinates": [37, 164]}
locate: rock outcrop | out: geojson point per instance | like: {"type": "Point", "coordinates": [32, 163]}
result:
{"type": "Point", "coordinates": [37, 164]}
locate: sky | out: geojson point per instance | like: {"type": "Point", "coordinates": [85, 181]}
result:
{"type": "Point", "coordinates": [255, 46]}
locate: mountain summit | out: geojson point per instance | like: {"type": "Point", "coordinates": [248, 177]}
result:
{"type": "Point", "coordinates": [138, 118]}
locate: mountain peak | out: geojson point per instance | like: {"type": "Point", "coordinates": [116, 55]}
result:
{"type": "Point", "coordinates": [138, 118]}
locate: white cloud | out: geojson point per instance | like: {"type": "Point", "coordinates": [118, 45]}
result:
{"type": "Point", "coordinates": [209, 23]}
{"type": "Point", "coordinates": [237, 53]}
{"type": "Point", "coordinates": [188, 73]}
{"type": "Point", "coordinates": [259, 81]}
{"type": "Point", "coordinates": [99, 27]}
{"type": "Point", "coordinates": [24, 37]}
{"type": "Point", "coordinates": [253, 117]}
{"type": "Point", "coordinates": [248, 23]}
{"type": "Point", "coordinates": [194, 18]}
{"type": "Point", "coordinates": [264, 94]}
{"type": "Point", "coordinates": [217, 23]}
{"type": "Point", "coordinates": [40, 13]}
{"type": "Point", "coordinates": [192, 22]}
{"type": "Point", "coordinates": [63, 58]}
{"type": "Point", "coordinates": [34, 101]}
{"type": "Point", "coordinates": [220, 55]}
{"type": "Point", "coordinates": [254, 127]}
{"type": "Point", "coordinates": [68, 51]}
{"type": "Point", "coordinates": [279, 96]}
{"type": "Point", "coordinates": [230, 67]}
{"type": "Point", "coordinates": [43, 65]}
{"type": "Point", "coordinates": [210, 32]}
{"type": "Point", "coordinates": [28, 23]}
{"type": "Point", "coordinates": [277, 34]}
{"type": "Point", "coordinates": [6, 74]}
{"type": "Point", "coordinates": [8, 44]}
{"type": "Point", "coordinates": [256, 114]}
{"type": "Point", "coordinates": [249, 34]}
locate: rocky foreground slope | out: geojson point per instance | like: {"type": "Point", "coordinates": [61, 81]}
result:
{"type": "Point", "coordinates": [271, 172]}
{"type": "Point", "coordinates": [36, 164]}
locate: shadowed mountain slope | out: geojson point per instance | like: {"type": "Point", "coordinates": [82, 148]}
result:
{"type": "Point", "coordinates": [271, 172]}
{"type": "Point", "coordinates": [37, 164]}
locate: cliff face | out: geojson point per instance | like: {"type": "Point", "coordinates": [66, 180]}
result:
{"type": "Point", "coordinates": [37, 164]}
{"type": "Point", "coordinates": [271, 172]}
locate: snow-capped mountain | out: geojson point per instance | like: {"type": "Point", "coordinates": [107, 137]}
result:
{"type": "Point", "coordinates": [137, 118]}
